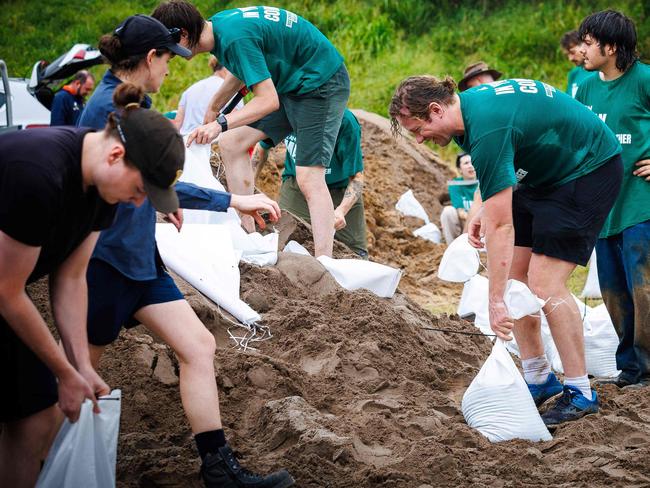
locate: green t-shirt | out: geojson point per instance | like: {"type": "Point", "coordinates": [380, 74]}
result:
{"type": "Point", "coordinates": [624, 105]}
{"type": "Point", "coordinates": [257, 43]}
{"type": "Point", "coordinates": [576, 76]}
{"type": "Point", "coordinates": [461, 192]}
{"type": "Point", "coordinates": [527, 132]}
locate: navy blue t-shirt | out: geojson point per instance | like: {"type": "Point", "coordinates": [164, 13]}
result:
{"type": "Point", "coordinates": [66, 108]}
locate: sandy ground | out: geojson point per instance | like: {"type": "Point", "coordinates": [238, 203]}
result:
{"type": "Point", "coordinates": [351, 391]}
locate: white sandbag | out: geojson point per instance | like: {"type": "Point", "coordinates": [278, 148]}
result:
{"type": "Point", "coordinates": [520, 301]}
{"type": "Point", "coordinates": [294, 247]}
{"type": "Point", "coordinates": [203, 255]}
{"type": "Point", "coordinates": [258, 249]}
{"type": "Point", "coordinates": [592, 285]}
{"type": "Point", "coordinates": [408, 205]}
{"type": "Point", "coordinates": [459, 262]}
{"type": "Point", "coordinates": [601, 342]}
{"type": "Point", "coordinates": [430, 232]}
{"type": "Point", "coordinates": [498, 404]}
{"type": "Point", "coordinates": [84, 453]}
{"type": "Point", "coordinates": [353, 274]}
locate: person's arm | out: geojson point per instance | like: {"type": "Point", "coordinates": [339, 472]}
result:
{"type": "Point", "coordinates": [265, 101]}
{"type": "Point", "coordinates": [69, 297]}
{"type": "Point", "coordinates": [474, 208]}
{"type": "Point", "coordinates": [230, 86]}
{"type": "Point", "coordinates": [499, 240]}
{"type": "Point", "coordinates": [353, 192]}
{"type": "Point", "coordinates": [17, 261]}
{"type": "Point", "coordinates": [180, 117]}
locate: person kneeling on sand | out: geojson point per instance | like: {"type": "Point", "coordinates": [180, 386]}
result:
{"type": "Point", "coordinates": [344, 178]}
{"type": "Point", "coordinates": [59, 186]}
{"type": "Point", "coordinates": [538, 233]}
{"type": "Point", "coordinates": [453, 218]}
{"type": "Point", "coordinates": [127, 281]}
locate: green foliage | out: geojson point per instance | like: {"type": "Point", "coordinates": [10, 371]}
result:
{"type": "Point", "coordinates": [383, 41]}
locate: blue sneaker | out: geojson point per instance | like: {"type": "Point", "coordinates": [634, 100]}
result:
{"type": "Point", "coordinates": [572, 405]}
{"type": "Point", "coordinates": [546, 390]}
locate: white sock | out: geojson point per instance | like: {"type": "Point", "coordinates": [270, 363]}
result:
{"type": "Point", "coordinates": [582, 383]}
{"type": "Point", "coordinates": [536, 369]}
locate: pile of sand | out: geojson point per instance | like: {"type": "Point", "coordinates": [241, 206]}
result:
{"type": "Point", "coordinates": [351, 391]}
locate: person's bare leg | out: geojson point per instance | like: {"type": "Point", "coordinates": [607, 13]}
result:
{"type": "Point", "coordinates": [96, 353]}
{"type": "Point", "coordinates": [547, 278]}
{"type": "Point", "coordinates": [311, 180]}
{"type": "Point", "coordinates": [233, 145]}
{"type": "Point", "coordinates": [527, 331]}
{"type": "Point", "coordinates": [177, 324]}
{"type": "Point", "coordinates": [24, 445]}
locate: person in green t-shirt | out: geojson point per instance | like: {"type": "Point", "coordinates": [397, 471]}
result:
{"type": "Point", "coordinates": [453, 218]}
{"type": "Point", "coordinates": [344, 178]}
{"type": "Point", "coordinates": [299, 83]}
{"type": "Point", "coordinates": [571, 45]}
{"type": "Point", "coordinates": [620, 95]}
{"type": "Point", "coordinates": [567, 168]}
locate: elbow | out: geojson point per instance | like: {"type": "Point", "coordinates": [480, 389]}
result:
{"type": "Point", "coordinates": [274, 104]}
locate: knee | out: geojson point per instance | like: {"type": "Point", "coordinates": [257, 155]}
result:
{"type": "Point", "coordinates": [201, 349]}
{"type": "Point", "coordinates": [230, 146]}
{"type": "Point", "coordinates": [545, 288]}
{"type": "Point", "coordinates": [448, 213]}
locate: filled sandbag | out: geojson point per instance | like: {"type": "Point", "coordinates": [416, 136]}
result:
{"type": "Point", "coordinates": [460, 261]}
{"type": "Point", "coordinates": [430, 232]}
{"type": "Point", "coordinates": [84, 453]}
{"type": "Point", "coordinates": [408, 205]}
{"type": "Point", "coordinates": [601, 342]}
{"type": "Point", "coordinates": [498, 404]}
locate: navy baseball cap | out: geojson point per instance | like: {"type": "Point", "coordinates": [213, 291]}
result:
{"type": "Point", "coordinates": [141, 33]}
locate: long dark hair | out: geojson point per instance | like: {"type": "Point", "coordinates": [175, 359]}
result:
{"type": "Point", "coordinates": [613, 28]}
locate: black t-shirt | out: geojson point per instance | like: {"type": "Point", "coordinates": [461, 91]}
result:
{"type": "Point", "coordinates": [42, 201]}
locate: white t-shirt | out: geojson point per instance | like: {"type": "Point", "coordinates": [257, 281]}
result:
{"type": "Point", "coordinates": [195, 101]}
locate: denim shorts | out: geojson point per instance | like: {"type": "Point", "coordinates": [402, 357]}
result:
{"type": "Point", "coordinates": [114, 299]}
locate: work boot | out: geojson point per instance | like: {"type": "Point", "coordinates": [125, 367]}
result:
{"type": "Point", "coordinates": [546, 390]}
{"type": "Point", "coordinates": [572, 405]}
{"type": "Point", "coordinates": [222, 470]}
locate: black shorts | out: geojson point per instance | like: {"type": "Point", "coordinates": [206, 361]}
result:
{"type": "Point", "coordinates": [27, 384]}
{"type": "Point", "coordinates": [113, 299]}
{"type": "Point", "coordinates": [564, 222]}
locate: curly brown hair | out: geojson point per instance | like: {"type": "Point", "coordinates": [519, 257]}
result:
{"type": "Point", "coordinates": [415, 94]}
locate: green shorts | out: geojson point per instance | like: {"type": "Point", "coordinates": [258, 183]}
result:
{"type": "Point", "coordinates": [314, 117]}
{"type": "Point", "coordinates": [352, 235]}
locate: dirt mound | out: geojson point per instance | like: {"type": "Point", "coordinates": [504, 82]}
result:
{"type": "Point", "coordinates": [391, 168]}
{"type": "Point", "coordinates": [351, 390]}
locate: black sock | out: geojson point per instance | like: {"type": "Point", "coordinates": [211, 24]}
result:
{"type": "Point", "coordinates": [209, 442]}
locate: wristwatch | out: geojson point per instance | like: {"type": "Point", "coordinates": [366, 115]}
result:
{"type": "Point", "coordinates": [221, 120]}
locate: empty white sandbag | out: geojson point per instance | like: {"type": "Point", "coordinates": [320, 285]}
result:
{"type": "Point", "coordinates": [459, 262]}
{"type": "Point", "coordinates": [353, 274]}
{"type": "Point", "coordinates": [592, 285]}
{"type": "Point", "coordinates": [498, 404]}
{"type": "Point", "coordinates": [84, 453]}
{"type": "Point", "coordinates": [520, 301]}
{"type": "Point", "coordinates": [408, 205]}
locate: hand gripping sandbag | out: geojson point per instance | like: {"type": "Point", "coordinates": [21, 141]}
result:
{"type": "Point", "coordinates": [84, 453]}
{"type": "Point", "coordinates": [498, 403]}
{"type": "Point", "coordinates": [459, 262]}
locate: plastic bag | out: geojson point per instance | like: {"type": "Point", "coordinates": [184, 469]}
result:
{"type": "Point", "coordinates": [84, 453]}
{"type": "Point", "coordinates": [430, 232]}
{"type": "Point", "coordinates": [498, 404]}
{"type": "Point", "coordinates": [409, 206]}
{"type": "Point", "coordinates": [460, 262]}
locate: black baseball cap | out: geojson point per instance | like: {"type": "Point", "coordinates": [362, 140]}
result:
{"type": "Point", "coordinates": [141, 33]}
{"type": "Point", "coordinates": [154, 146]}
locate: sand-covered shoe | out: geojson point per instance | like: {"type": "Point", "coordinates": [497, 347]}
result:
{"type": "Point", "coordinates": [222, 470]}
{"type": "Point", "coordinates": [572, 405]}
{"type": "Point", "coordinates": [546, 390]}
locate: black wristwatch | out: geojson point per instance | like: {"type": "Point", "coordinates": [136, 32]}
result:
{"type": "Point", "coordinates": [221, 120]}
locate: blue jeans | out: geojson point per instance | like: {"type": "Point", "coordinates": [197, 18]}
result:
{"type": "Point", "coordinates": [624, 275]}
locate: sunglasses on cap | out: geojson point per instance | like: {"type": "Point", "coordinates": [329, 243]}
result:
{"type": "Point", "coordinates": [175, 32]}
